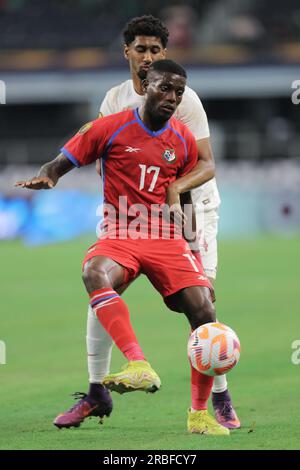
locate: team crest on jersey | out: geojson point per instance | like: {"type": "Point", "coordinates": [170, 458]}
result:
{"type": "Point", "coordinates": [169, 155]}
{"type": "Point", "coordinates": [85, 128]}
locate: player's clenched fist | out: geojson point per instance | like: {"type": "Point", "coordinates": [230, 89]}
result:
{"type": "Point", "coordinates": [36, 183]}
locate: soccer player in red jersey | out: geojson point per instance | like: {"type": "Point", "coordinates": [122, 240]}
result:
{"type": "Point", "coordinates": [142, 152]}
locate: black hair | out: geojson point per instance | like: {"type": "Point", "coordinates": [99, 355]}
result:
{"type": "Point", "coordinates": [146, 25]}
{"type": "Point", "coordinates": [166, 65]}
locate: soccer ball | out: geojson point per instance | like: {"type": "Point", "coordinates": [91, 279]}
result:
{"type": "Point", "coordinates": [213, 349]}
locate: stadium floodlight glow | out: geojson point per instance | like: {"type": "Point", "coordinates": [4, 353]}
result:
{"type": "Point", "coordinates": [2, 92]}
{"type": "Point", "coordinates": [2, 352]}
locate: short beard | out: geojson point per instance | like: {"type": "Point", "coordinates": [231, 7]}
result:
{"type": "Point", "coordinates": [142, 74]}
{"type": "Point", "coordinates": [158, 119]}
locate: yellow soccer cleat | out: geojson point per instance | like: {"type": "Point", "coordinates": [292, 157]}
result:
{"type": "Point", "coordinates": [200, 422]}
{"type": "Point", "coordinates": [136, 375]}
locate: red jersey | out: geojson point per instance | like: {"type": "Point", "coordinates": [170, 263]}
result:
{"type": "Point", "coordinates": [137, 165]}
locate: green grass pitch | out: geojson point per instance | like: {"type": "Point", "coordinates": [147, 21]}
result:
{"type": "Point", "coordinates": [43, 321]}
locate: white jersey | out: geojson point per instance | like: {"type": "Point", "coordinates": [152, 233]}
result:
{"type": "Point", "coordinates": [190, 112]}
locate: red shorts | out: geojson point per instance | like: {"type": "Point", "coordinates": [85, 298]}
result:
{"type": "Point", "coordinates": [169, 264]}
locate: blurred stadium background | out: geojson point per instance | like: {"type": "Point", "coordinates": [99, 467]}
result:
{"type": "Point", "coordinates": [57, 60]}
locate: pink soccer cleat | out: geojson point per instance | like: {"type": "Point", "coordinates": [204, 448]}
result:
{"type": "Point", "coordinates": [85, 408]}
{"type": "Point", "coordinates": [224, 411]}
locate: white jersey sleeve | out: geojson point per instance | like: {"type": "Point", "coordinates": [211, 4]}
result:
{"type": "Point", "coordinates": [120, 98]}
{"type": "Point", "coordinates": [109, 104]}
{"type": "Point", "coordinates": [191, 113]}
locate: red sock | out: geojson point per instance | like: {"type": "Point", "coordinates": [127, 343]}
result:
{"type": "Point", "coordinates": [113, 314]}
{"type": "Point", "coordinates": [201, 386]}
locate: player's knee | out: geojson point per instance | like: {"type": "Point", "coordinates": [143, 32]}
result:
{"type": "Point", "coordinates": [95, 277]}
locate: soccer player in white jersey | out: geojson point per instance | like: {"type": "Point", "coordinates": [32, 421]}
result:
{"type": "Point", "coordinates": [145, 40]}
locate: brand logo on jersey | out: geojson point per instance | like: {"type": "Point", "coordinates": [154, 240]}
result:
{"type": "Point", "coordinates": [85, 128]}
{"type": "Point", "coordinates": [202, 278]}
{"type": "Point", "coordinates": [169, 155]}
{"type": "Point", "coordinates": [131, 149]}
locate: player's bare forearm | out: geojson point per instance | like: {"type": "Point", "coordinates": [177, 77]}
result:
{"type": "Point", "coordinates": [190, 233]}
{"type": "Point", "coordinates": [56, 168]}
{"type": "Point", "coordinates": [178, 192]}
{"type": "Point", "coordinates": [200, 174]}
{"type": "Point", "coordinates": [49, 174]}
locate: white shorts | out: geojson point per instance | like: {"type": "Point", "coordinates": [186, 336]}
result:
{"type": "Point", "coordinates": [208, 242]}
{"type": "Point", "coordinates": [206, 201]}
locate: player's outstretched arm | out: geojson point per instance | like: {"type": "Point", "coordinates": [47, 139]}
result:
{"type": "Point", "coordinates": [49, 174]}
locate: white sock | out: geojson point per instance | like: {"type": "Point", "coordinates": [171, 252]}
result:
{"type": "Point", "coordinates": [220, 384]}
{"type": "Point", "coordinates": [99, 344]}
